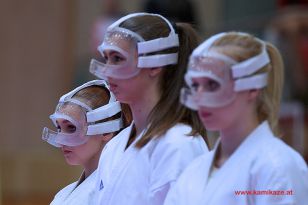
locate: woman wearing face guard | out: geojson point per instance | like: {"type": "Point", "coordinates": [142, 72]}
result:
{"type": "Point", "coordinates": [144, 60]}
{"type": "Point", "coordinates": [235, 84]}
{"type": "Point", "coordinates": [86, 119]}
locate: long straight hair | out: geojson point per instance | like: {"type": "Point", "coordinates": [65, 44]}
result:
{"type": "Point", "coordinates": [168, 111]}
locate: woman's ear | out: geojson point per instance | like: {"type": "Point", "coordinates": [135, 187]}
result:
{"type": "Point", "coordinates": [155, 71]}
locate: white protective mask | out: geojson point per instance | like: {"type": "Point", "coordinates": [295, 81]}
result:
{"type": "Point", "coordinates": [83, 118]}
{"type": "Point", "coordinates": [221, 76]}
{"type": "Point", "coordinates": [131, 60]}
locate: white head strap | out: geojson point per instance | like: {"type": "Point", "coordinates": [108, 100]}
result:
{"type": "Point", "coordinates": [155, 45]}
{"type": "Point", "coordinates": [113, 107]}
{"type": "Point", "coordinates": [239, 70]}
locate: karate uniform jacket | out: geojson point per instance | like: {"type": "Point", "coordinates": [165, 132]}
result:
{"type": "Point", "coordinates": [143, 176]}
{"type": "Point", "coordinates": [74, 194]}
{"type": "Point", "coordinates": [257, 173]}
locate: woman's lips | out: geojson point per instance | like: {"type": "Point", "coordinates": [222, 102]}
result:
{"type": "Point", "coordinates": [66, 152]}
{"type": "Point", "coordinates": [205, 114]}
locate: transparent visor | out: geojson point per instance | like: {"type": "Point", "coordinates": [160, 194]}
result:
{"type": "Point", "coordinates": [119, 56]}
{"type": "Point", "coordinates": [70, 119]}
{"type": "Point", "coordinates": [210, 84]}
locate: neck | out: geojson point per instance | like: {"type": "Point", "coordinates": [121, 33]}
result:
{"type": "Point", "coordinates": [233, 136]}
{"type": "Point", "coordinates": [91, 165]}
{"type": "Point", "coordinates": [142, 107]}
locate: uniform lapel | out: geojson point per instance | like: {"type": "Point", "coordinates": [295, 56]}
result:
{"type": "Point", "coordinates": [82, 188]}
{"type": "Point", "coordinates": [125, 156]}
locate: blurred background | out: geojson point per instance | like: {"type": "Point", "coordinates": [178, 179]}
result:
{"type": "Point", "coordinates": [46, 47]}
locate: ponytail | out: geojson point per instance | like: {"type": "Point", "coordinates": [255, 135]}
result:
{"type": "Point", "coordinates": [270, 97]}
{"type": "Point", "coordinates": [170, 110]}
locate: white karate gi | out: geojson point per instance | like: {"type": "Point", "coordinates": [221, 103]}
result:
{"type": "Point", "coordinates": [83, 194]}
{"type": "Point", "coordinates": [143, 176]}
{"type": "Point", "coordinates": [261, 163]}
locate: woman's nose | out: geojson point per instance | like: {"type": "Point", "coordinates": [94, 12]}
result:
{"type": "Point", "coordinates": [199, 89]}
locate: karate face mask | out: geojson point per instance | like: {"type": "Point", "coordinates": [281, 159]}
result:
{"type": "Point", "coordinates": [122, 61]}
{"type": "Point", "coordinates": [214, 79]}
{"type": "Point", "coordinates": [130, 52]}
{"type": "Point", "coordinates": [210, 82]}
{"type": "Point", "coordinates": [73, 116]}
{"type": "Point", "coordinates": [82, 118]}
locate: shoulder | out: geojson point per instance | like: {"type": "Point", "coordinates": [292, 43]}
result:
{"type": "Point", "coordinates": [178, 136]}
{"type": "Point", "coordinates": [170, 154]}
{"type": "Point", "coordinates": [177, 141]}
{"type": "Point", "coordinates": [197, 169]}
{"type": "Point", "coordinates": [271, 152]}
{"type": "Point", "coordinates": [179, 129]}
{"type": "Point", "coordinates": [277, 166]}
{"type": "Point", "coordinates": [280, 168]}
{"type": "Point", "coordinates": [274, 154]}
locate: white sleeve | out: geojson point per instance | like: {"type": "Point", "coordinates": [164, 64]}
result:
{"type": "Point", "coordinates": [168, 161]}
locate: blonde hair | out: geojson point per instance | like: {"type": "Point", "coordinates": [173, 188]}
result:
{"type": "Point", "coordinates": [241, 47]}
{"type": "Point", "coordinates": [168, 111]}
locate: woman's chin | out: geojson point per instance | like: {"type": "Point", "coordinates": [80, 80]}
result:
{"type": "Point", "coordinates": [71, 161]}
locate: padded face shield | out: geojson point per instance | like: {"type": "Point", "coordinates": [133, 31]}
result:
{"type": "Point", "coordinates": [129, 52]}
{"type": "Point", "coordinates": [209, 82]}
{"type": "Point", "coordinates": [82, 121]}
{"type": "Point", "coordinates": [214, 78]}
{"type": "Point", "coordinates": [121, 61]}
{"type": "Point", "coordinates": [71, 119]}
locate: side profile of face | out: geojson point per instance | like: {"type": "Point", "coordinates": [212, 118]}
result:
{"type": "Point", "coordinates": [125, 88]}
{"type": "Point", "coordinates": [81, 154]}
{"type": "Point", "coordinates": [132, 89]}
